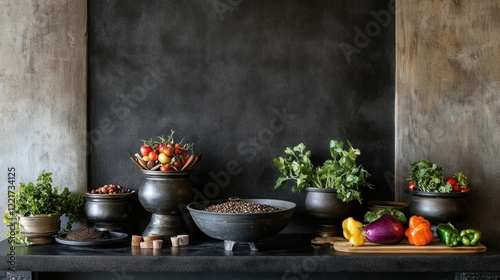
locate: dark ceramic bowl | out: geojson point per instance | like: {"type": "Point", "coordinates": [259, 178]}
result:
{"type": "Point", "coordinates": [242, 227]}
{"type": "Point", "coordinates": [439, 207]}
{"type": "Point", "coordinates": [109, 211]}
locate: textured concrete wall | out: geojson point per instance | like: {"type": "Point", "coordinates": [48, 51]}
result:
{"type": "Point", "coordinates": [448, 97]}
{"type": "Point", "coordinates": [43, 92]}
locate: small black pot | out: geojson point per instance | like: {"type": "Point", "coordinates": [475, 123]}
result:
{"type": "Point", "coordinates": [440, 207]}
{"type": "Point", "coordinates": [324, 206]}
{"type": "Point", "coordinates": [109, 211]}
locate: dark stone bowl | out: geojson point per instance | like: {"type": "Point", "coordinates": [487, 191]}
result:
{"type": "Point", "coordinates": [440, 207]}
{"type": "Point", "coordinates": [109, 211]}
{"type": "Point", "coordinates": [239, 227]}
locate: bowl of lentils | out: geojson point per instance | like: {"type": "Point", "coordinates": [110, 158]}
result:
{"type": "Point", "coordinates": [241, 220]}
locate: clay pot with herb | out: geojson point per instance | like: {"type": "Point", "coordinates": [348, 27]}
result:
{"type": "Point", "coordinates": [35, 217]}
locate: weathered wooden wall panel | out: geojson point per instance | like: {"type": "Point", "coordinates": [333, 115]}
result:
{"type": "Point", "coordinates": [447, 97]}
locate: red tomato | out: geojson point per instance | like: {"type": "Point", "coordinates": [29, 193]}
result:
{"type": "Point", "coordinates": [170, 145]}
{"type": "Point", "coordinates": [178, 145]}
{"type": "Point", "coordinates": [178, 151]}
{"type": "Point", "coordinates": [464, 190]}
{"type": "Point", "coordinates": [165, 167]}
{"type": "Point", "coordinates": [455, 188]}
{"type": "Point", "coordinates": [153, 156]}
{"type": "Point", "coordinates": [145, 150]}
{"type": "Point", "coordinates": [162, 148]}
{"type": "Point", "coordinates": [451, 181]}
{"type": "Point", "coordinates": [168, 152]}
{"type": "Point", "coordinates": [412, 186]}
{"type": "Point", "coordinates": [176, 164]}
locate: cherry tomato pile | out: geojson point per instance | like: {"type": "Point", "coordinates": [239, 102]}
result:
{"type": "Point", "coordinates": [455, 186]}
{"type": "Point", "coordinates": [111, 189]}
{"type": "Point", "coordinates": [166, 154]}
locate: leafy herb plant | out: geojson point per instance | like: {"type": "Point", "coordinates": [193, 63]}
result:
{"type": "Point", "coordinates": [341, 172]}
{"type": "Point", "coordinates": [429, 177]}
{"type": "Point", "coordinates": [43, 198]}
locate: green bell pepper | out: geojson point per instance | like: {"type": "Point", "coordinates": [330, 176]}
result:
{"type": "Point", "coordinates": [449, 234]}
{"type": "Point", "coordinates": [470, 237]}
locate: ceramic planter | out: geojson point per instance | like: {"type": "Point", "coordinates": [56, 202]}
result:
{"type": "Point", "coordinates": [40, 229]}
{"type": "Point", "coordinates": [327, 209]}
{"type": "Point", "coordinates": [440, 207]}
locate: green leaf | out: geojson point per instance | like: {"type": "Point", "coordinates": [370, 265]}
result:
{"type": "Point", "coordinates": [340, 172]}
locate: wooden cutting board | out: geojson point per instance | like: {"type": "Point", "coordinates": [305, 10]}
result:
{"type": "Point", "coordinates": [436, 246]}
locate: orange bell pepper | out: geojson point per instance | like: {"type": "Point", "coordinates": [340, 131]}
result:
{"type": "Point", "coordinates": [419, 231]}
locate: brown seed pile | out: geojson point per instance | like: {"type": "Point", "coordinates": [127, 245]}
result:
{"type": "Point", "coordinates": [87, 234]}
{"type": "Point", "coordinates": [240, 207]}
{"type": "Point", "coordinates": [111, 189]}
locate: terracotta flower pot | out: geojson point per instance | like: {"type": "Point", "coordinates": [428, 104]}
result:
{"type": "Point", "coordinates": [40, 229]}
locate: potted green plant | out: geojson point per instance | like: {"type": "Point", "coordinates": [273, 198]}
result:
{"type": "Point", "coordinates": [35, 216]}
{"type": "Point", "coordinates": [331, 187]}
{"type": "Point", "coordinates": [438, 198]}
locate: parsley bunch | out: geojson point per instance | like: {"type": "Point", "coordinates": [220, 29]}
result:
{"type": "Point", "coordinates": [428, 176]}
{"type": "Point", "coordinates": [341, 172]}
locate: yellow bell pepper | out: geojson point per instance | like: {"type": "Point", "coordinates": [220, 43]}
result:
{"type": "Point", "coordinates": [353, 231]}
{"type": "Point", "coordinates": [357, 239]}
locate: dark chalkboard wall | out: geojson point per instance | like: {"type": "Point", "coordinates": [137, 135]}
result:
{"type": "Point", "coordinates": [242, 80]}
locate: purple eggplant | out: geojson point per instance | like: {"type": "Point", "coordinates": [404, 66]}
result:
{"type": "Point", "coordinates": [385, 230]}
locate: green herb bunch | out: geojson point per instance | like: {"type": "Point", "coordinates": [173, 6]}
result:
{"type": "Point", "coordinates": [341, 172]}
{"type": "Point", "coordinates": [428, 176]}
{"type": "Point", "coordinates": [43, 198]}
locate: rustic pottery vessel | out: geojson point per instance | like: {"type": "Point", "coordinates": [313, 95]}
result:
{"type": "Point", "coordinates": [242, 227]}
{"type": "Point", "coordinates": [161, 194]}
{"type": "Point", "coordinates": [327, 209]}
{"type": "Point", "coordinates": [440, 207]}
{"type": "Point", "coordinates": [109, 211]}
{"type": "Point", "coordinates": [40, 229]}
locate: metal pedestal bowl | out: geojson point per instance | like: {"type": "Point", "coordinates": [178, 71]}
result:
{"type": "Point", "coordinates": [242, 227]}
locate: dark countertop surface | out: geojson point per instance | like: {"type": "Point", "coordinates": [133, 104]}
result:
{"type": "Point", "coordinates": [283, 253]}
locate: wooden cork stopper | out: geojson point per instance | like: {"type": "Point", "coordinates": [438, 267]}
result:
{"type": "Point", "coordinates": [136, 240]}
{"type": "Point", "coordinates": [157, 244]}
{"type": "Point", "coordinates": [153, 237]}
{"type": "Point", "coordinates": [146, 245]}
